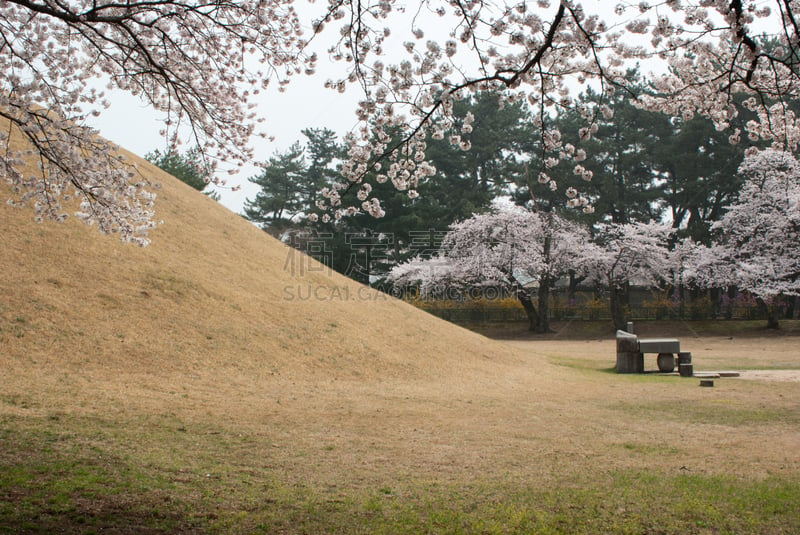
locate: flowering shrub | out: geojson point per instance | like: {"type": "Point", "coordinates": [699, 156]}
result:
{"type": "Point", "coordinates": [663, 305]}
{"type": "Point", "coordinates": [433, 305]}
{"type": "Point", "coordinates": [593, 309]}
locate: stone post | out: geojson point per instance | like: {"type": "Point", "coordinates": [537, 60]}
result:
{"type": "Point", "coordinates": [629, 359]}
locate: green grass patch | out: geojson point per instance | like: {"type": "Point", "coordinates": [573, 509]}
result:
{"type": "Point", "coordinates": [88, 476]}
{"type": "Point", "coordinates": [54, 481]}
{"type": "Point", "coordinates": [623, 502]}
{"type": "Point", "coordinates": [651, 449]}
{"type": "Point", "coordinates": [584, 365]}
{"type": "Point", "coordinates": [712, 411]}
{"type": "Point", "coordinates": [743, 328]}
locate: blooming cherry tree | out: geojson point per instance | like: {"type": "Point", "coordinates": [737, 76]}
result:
{"type": "Point", "coordinates": [759, 246]}
{"type": "Point", "coordinates": [630, 253]}
{"type": "Point", "coordinates": [514, 248]}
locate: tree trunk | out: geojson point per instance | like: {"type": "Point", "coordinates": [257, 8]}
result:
{"type": "Point", "coordinates": [574, 281]}
{"type": "Point", "coordinates": [530, 310]}
{"type": "Point", "coordinates": [543, 325]}
{"type": "Point", "coordinates": [771, 312]}
{"type": "Point", "coordinates": [618, 300]}
{"type": "Point", "coordinates": [716, 302]}
{"type": "Point", "coordinates": [732, 293]}
{"type": "Point", "coordinates": [792, 308]}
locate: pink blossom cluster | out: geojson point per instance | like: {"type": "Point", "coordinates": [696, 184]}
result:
{"type": "Point", "coordinates": [203, 63]}
{"type": "Point", "coordinates": [703, 53]}
{"type": "Point", "coordinates": [758, 245]}
{"type": "Point", "coordinates": [197, 62]}
{"type": "Point", "coordinates": [506, 248]}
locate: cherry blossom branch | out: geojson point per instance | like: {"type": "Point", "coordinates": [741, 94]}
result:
{"type": "Point", "coordinates": [187, 59]}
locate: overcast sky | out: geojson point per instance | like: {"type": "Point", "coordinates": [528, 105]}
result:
{"type": "Point", "coordinates": [306, 104]}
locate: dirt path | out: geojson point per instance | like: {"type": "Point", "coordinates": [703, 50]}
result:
{"type": "Point", "coordinates": [771, 375]}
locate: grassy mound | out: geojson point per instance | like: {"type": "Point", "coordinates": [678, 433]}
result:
{"type": "Point", "coordinates": [212, 304]}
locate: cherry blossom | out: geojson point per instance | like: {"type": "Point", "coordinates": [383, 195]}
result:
{"type": "Point", "coordinates": [701, 54]}
{"type": "Point", "coordinates": [203, 64]}
{"type": "Point", "coordinates": [199, 63]}
{"type": "Point", "coordinates": [513, 248]}
{"type": "Point", "coordinates": [759, 236]}
{"type": "Point", "coordinates": [630, 253]}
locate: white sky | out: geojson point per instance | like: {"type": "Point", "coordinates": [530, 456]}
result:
{"type": "Point", "coordinates": [305, 104]}
{"type": "Point", "coordinates": [133, 125]}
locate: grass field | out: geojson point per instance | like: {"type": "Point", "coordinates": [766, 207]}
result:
{"type": "Point", "coordinates": [586, 450]}
{"type": "Point", "coordinates": [189, 388]}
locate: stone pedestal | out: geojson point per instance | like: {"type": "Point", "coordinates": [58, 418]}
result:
{"type": "Point", "coordinates": [629, 359]}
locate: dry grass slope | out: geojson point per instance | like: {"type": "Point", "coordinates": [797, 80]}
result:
{"type": "Point", "coordinates": [214, 305]}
